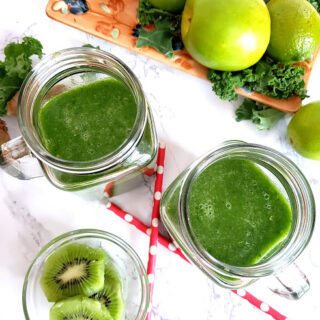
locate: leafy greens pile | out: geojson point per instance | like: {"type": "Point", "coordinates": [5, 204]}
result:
{"type": "Point", "coordinates": [165, 35]}
{"type": "Point", "coordinates": [268, 77]}
{"type": "Point", "coordinates": [15, 67]}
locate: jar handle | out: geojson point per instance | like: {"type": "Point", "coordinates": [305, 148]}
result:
{"type": "Point", "coordinates": [291, 283]}
{"type": "Point", "coordinates": [17, 160]}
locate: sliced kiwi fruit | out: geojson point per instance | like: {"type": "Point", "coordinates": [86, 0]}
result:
{"type": "Point", "coordinates": [111, 294]}
{"type": "Point", "coordinates": [75, 269]}
{"type": "Point", "coordinates": [79, 308]}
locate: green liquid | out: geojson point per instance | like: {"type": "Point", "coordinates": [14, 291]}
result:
{"type": "Point", "coordinates": [88, 122]}
{"type": "Point", "coordinates": [236, 213]}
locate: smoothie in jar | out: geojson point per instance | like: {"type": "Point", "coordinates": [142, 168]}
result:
{"type": "Point", "coordinates": [240, 213]}
{"type": "Point", "coordinates": [85, 124]}
{"type": "Point", "coordinates": [236, 212]}
{"type": "Point", "coordinates": [88, 122]}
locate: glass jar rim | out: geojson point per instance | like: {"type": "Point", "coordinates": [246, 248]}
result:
{"type": "Point", "coordinates": [145, 295]}
{"type": "Point", "coordinates": [62, 62]}
{"type": "Point", "coordinates": [305, 207]}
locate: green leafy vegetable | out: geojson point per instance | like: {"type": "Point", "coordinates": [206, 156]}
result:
{"type": "Point", "coordinates": [165, 36]}
{"type": "Point", "coordinates": [148, 14]}
{"type": "Point", "coordinates": [160, 38]}
{"type": "Point", "coordinates": [261, 115]}
{"type": "Point", "coordinates": [268, 77]}
{"type": "Point", "coordinates": [15, 67]}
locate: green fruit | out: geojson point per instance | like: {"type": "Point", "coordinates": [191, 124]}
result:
{"type": "Point", "coordinates": [295, 30]}
{"type": "Point", "coordinates": [304, 131]}
{"type": "Point", "coordinates": [111, 294]}
{"type": "Point", "coordinates": [79, 308]}
{"type": "Point", "coordinates": [175, 6]}
{"type": "Point", "coordinates": [74, 269]}
{"type": "Point", "coordinates": [227, 35]}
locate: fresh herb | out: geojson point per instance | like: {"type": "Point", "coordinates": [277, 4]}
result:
{"type": "Point", "coordinates": [148, 14]}
{"type": "Point", "coordinates": [261, 115]}
{"type": "Point", "coordinates": [161, 38]}
{"type": "Point", "coordinates": [165, 37]}
{"type": "Point", "coordinates": [15, 67]}
{"type": "Point", "coordinates": [267, 77]}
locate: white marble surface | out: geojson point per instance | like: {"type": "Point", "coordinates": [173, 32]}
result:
{"type": "Point", "coordinates": [190, 120]}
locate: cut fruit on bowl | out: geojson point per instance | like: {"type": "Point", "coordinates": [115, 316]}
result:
{"type": "Point", "coordinates": [72, 270]}
{"type": "Point", "coordinates": [127, 277]}
{"type": "Point", "coordinates": [78, 308]}
{"type": "Point", "coordinates": [111, 294]}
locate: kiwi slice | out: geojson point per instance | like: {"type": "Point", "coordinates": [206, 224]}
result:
{"type": "Point", "coordinates": [79, 308]}
{"type": "Point", "coordinates": [111, 294]}
{"type": "Point", "coordinates": [72, 270]}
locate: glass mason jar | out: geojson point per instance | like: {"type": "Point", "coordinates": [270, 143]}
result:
{"type": "Point", "coordinates": [291, 283]}
{"type": "Point", "coordinates": [135, 286]}
{"type": "Point", "coordinates": [58, 73]}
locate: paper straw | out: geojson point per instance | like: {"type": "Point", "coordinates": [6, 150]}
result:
{"type": "Point", "coordinates": [155, 217]}
{"type": "Point", "coordinates": [244, 294]}
{"type": "Point", "coordinates": [144, 228]}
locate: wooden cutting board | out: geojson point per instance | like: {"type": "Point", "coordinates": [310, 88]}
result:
{"type": "Point", "coordinates": [113, 21]}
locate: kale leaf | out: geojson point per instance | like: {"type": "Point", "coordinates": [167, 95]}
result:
{"type": "Point", "coordinates": [148, 14]}
{"type": "Point", "coordinates": [15, 67]}
{"type": "Point", "coordinates": [161, 38]}
{"type": "Point", "coordinates": [268, 77]}
{"type": "Point", "coordinates": [165, 36]}
{"type": "Point", "coordinates": [261, 115]}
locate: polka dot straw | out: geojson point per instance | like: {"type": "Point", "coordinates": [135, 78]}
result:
{"type": "Point", "coordinates": [155, 221]}
{"type": "Point", "coordinates": [145, 229]}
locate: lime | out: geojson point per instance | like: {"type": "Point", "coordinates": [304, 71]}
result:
{"type": "Point", "coordinates": [304, 131]}
{"type": "Point", "coordinates": [295, 30]}
{"type": "Point", "coordinates": [169, 5]}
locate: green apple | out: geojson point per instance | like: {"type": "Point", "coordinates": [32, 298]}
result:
{"type": "Point", "coordinates": [227, 35]}
{"type": "Point", "coordinates": [175, 6]}
{"type": "Point", "coordinates": [304, 131]}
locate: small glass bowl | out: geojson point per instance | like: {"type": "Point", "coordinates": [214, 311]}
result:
{"type": "Point", "coordinates": [126, 261]}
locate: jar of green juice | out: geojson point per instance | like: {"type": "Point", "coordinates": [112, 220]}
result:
{"type": "Point", "coordinates": [85, 119]}
{"type": "Point", "coordinates": [240, 213]}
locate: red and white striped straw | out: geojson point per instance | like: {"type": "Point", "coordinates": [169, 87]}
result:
{"type": "Point", "coordinates": [244, 294]}
{"type": "Point", "coordinates": [153, 244]}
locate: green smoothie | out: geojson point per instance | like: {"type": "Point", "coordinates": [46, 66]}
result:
{"type": "Point", "coordinates": [88, 122]}
{"type": "Point", "coordinates": [237, 213]}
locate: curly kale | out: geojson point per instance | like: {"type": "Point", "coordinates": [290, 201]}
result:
{"type": "Point", "coordinates": [15, 67]}
{"type": "Point", "coordinates": [165, 35]}
{"type": "Point", "coordinates": [268, 77]}
{"type": "Point", "coordinates": [261, 115]}
{"type": "Point", "coordinates": [148, 14]}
